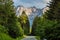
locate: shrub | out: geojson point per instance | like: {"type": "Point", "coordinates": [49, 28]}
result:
{"type": "Point", "coordinates": [15, 30]}
{"type": "Point", "coordinates": [52, 32]}
{"type": "Point", "coordinates": [3, 29]}
{"type": "Point", "coordinates": [47, 29]}
{"type": "Point", "coordinates": [4, 36]}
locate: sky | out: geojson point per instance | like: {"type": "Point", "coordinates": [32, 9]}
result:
{"type": "Point", "coordinates": [31, 3]}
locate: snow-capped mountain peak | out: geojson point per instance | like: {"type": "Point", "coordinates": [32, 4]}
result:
{"type": "Point", "coordinates": [31, 12]}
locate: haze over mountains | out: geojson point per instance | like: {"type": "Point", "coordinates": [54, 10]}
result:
{"type": "Point", "coordinates": [31, 12]}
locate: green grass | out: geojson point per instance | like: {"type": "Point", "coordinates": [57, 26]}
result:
{"type": "Point", "coordinates": [4, 36]}
{"type": "Point", "coordinates": [38, 38]}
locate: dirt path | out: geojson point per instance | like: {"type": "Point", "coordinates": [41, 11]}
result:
{"type": "Point", "coordinates": [29, 38]}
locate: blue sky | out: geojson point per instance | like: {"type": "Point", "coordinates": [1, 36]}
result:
{"type": "Point", "coordinates": [29, 3]}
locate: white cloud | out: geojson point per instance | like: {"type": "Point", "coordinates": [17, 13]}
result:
{"type": "Point", "coordinates": [29, 3]}
{"type": "Point", "coordinates": [46, 1]}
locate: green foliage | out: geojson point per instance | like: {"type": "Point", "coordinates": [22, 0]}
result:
{"type": "Point", "coordinates": [34, 26]}
{"type": "Point", "coordinates": [20, 29]}
{"type": "Point", "coordinates": [23, 19]}
{"type": "Point", "coordinates": [6, 11]}
{"type": "Point", "coordinates": [38, 27]}
{"type": "Point", "coordinates": [53, 17]}
{"type": "Point", "coordinates": [52, 32]}
{"type": "Point", "coordinates": [8, 19]}
{"type": "Point", "coordinates": [46, 28]}
{"type": "Point", "coordinates": [4, 36]}
{"type": "Point", "coordinates": [15, 30]}
{"type": "Point", "coordinates": [54, 10]}
{"type": "Point", "coordinates": [38, 37]}
{"type": "Point", "coordinates": [3, 29]}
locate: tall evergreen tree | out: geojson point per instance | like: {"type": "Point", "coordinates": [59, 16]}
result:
{"type": "Point", "coordinates": [38, 27]}
{"type": "Point", "coordinates": [54, 10]}
{"type": "Point", "coordinates": [24, 22]}
{"type": "Point", "coordinates": [8, 18]}
{"type": "Point", "coordinates": [6, 10]}
{"type": "Point", "coordinates": [53, 14]}
{"type": "Point", "coordinates": [34, 26]}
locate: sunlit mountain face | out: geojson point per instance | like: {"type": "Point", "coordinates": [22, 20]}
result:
{"type": "Point", "coordinates": [31, 12]}
{"type": "Point", "coordinates": [32, 8]}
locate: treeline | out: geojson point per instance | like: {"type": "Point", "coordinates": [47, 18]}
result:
{"type": "Point", "coordinates": [48, 25]}
{"type": "Point", "coordinates": [12, 27]}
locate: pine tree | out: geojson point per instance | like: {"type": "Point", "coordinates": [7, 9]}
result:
{"type": "Point", "coordinates": [38, 27]}
{"type": "Point", "coordinates": [8, 18]}
{"type": "Point", "coordinates": [6, 11]}
{"type": "Point", "coordinates": [54, 10]}
{"type": "Point", "coordinates": [34, 26]}
{"type": "Point", "coordinates": [53, 14]}
{"type": "Point", "coordinates": [24, 22]}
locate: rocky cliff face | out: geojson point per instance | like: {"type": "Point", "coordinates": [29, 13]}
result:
{"type": "Point", "coordinates": [31, 12]}
{"type": "Point", "coordinates": [45, 9]}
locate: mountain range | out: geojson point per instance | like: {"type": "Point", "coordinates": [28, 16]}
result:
{"type": "Point", "coordinates": [31, 12]}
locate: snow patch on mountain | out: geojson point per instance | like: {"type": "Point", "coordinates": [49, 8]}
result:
{"type": "Point", "coordinates": [31, 12]}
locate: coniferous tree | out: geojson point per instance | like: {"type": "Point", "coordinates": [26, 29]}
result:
{"type": "Point", "coordinates": [8, 18]}
{"type": "Point", "coordinates": [53, 14]}
{"type": "Point", "coordinates": [24, 22]}
{"type": "Point", "coordinates": [38, 27]}
{"type": "Point", "coordinates": [54, 10]}
{"type": "Point", "coordinates": [34, 26]}
{"type": "Point", "coordinates": [6, 11]}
